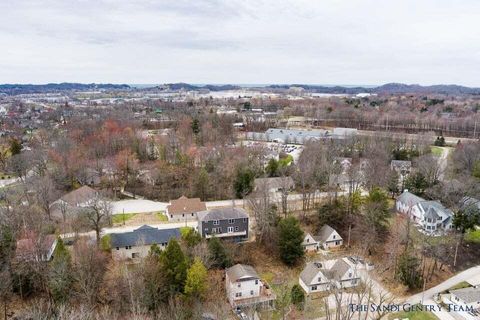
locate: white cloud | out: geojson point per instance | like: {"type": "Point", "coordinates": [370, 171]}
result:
{"type": "Point", "coordinates": [240, 41]}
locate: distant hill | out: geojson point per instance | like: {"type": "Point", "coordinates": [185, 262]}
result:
{"type": "Point", "coordinates": [190, 87]}
{"type": "Point", "coordinates": [14, 89]}
{"type": "Point", "coordinates": [386, 88]}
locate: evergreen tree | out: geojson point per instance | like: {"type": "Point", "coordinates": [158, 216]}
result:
{"type": "Point", "coordinates": [243, 183]}
{"type": "Point", "coordinates": [416, 183]}
{"type": "Point", "coordinates": [221, 259]}
{"type": "Point", "coordinates": [290, 241]}
{"type": "Point", "coordinates": [377, 211]}
{"type": "Point", "coordinates": [174, 265]}
{"type": "Point", "coordinates": [195, 126]}
{"type": "Point", "coordinates": [408, 271]}
{"type": "Point", "coordinates": [298, 296]}
{"type": "Point", "coordinates": [190, 236]}
{"type": "Point", "coordinates": [272, 168]}
{"type": "Point", "coordinates": [15, 147]}
{"type": "Point", "coordinates": [196, 283]}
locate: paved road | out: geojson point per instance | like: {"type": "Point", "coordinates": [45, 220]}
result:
{"type": "Point", "coordinates": [144, 206]}
{"type": "Point", "coordinates": [428, 294]}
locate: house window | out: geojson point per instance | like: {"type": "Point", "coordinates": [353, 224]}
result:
{"type": "Point", "coordinates": [251, 292]}
{"type": "Point", "coordinates": [128, 247]}
{"type": "Point", "coordinates": [308, 240]}
{"type": "Point", "coordinates": [333, 236]}
{"type": "Point", "coordinates": [239, 285]}
{"type": "Point", "coordinates": [231, 221]}
{"type": "Point", "coordinates": [183, 214]}
{"type": "Point", "coordinates": [117, 248]}
{"type": "Point", "coordinates": [319, 279]}
{"type": "Point", "coordinates": [236, 229]}
{"type": "Point", "coordinates": [244, 220]}
{"type": "Point", "coordinates": [256, 281]}
{"type": "Point", "coordinates": [219, 229]}
{"type": "Point", "coordinates": [314, 288]}
{"type": "Point", "coordinates": [216, 222]}
{"type": "Point", "coordinates": [171, 216]}
{"type": "Point", "coordinates": [230, 229]}
{"type": "Point", "coordinates": [238, 294]}
{"type": "Point", "coordinates": [350, 275]}
{"type": "Point", "coordinates": [192, 214]}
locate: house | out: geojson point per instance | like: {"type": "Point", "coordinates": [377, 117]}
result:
{"type": "Point", "coordinates": [469, 202]}
{"type": "Point", "coordinates": [310, 244]}
{"type": "Point", "coordinates": [431, 216]}
{"type": "Point", "coordinates": [329, 238]}
{"type": "Point", "coordinates": [466, 297]}
{"type": "Point", "coordinates": [245, 288]}
{"type": "Point", "coordinates": [319, 276]}
{"type": "Point", "coordinates": [81, 197]}
{"type": "Point", "coordinates": [185, 209]}
{"type": "Point", "coordinates": [229, 223]}
{"type": "Point", "coordinates": [275, 184]}
{"type": "Point", "coordinates": [35, 248]}
{"type": "Point", "coordinates": [136, 244]}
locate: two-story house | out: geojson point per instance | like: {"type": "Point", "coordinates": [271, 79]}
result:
{"type": "Point", "coordinates": [227, 223]}
{"type": "Point", "coordinates": [184, 209]}
{"type": "Point", "coordinates": [431, 216]}
{"type": "Point", "coordinates": [326, 239]}
{"type": "Point", "coordinates": [319, 276]}
{"type": "Point", "coordinates": [245, 288]}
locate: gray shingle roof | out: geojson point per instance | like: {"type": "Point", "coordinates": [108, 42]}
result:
{"type": "Point", "coordinates": [409, 198]}
{"type": "Point", "coordinates": [468, 295]}
{"type": "Point", "coordinates": [339, 269]}
{"type": "Point", "coordinates": [325, 232]}
{"type": "Point", "coordinates": [469, 201]}
{"type": "Point", "coordinates": [311, 270]}
{"type": "Point", "coordinates": [241, 272]}
{"type": "Point", "coordinates": [222, 214]}
{"type": "Point", "coordinates": [144, 235]}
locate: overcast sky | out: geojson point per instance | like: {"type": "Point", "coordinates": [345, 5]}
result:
{"type": "Point", "coordinates": [246, 41]}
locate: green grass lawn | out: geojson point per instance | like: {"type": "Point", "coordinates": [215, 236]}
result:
{"type": "Point", "coordinates": [473, 236]}
{"type": "Point", "coordinates": [161, 216]}
{"type": "Point", "coordinates": [461, 285]}
{"type": "Point", "coordinates": [437, 151]}
{"type": "Point", "coordinates": [413, 315]}
{"type": "Point", "coordinates": [120, 218]}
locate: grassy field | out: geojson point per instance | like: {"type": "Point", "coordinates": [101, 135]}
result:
{"type": "Point", "coordinates": [460, 285]}
{"type": "Point", "coordinates": [437, 151]}
{"type": "Point", "coordinates": [120, 218]}
{"type": "Point", "coordinates": [413, 315]}
{"type": "Point", "coordinates": [161, 216]}
{"type": "Point", "coordinates": [473, 236]}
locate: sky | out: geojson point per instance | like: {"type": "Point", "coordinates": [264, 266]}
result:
{"type": "Point", "coordinates": [368, 42]}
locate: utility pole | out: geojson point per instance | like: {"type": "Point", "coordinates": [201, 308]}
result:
{"type": "Point", "coordinates": [475, 129]}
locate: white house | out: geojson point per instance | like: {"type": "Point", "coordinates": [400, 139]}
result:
{"type": "Point", "coordinates": [321, 276]}
{"type": "Point", "coordinates": [431, 216]}
{"type": "Point", "coordinates": [469, 297]}
{"type": "Point", "coordinates": [310, 244]}
{"type": "Point", "coordinates": [327, 238]}
{"type": "Point", "coordinates": [245, 288]}
{"type": "Point", "coordinates": [185, 209]}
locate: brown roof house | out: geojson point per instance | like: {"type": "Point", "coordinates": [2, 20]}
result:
{"type": "Point", "coordinates": [185, 209]}
{"type": "Point", "coordinates": [73, 201]}
{"type": "Point", "coordinates": [35, 248]}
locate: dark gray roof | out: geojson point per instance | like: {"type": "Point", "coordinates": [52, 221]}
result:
{"type": "Point", "coordinates": [431, 214]}
{"type": "Point", "coordinates": [437, 208]}
{"type": "Point", "coordinates": [145, 235]}
{"type": "Point", "coordinates": [222, 214]}
{"type": "Point", "coordinates": [468, 295]}
{"type": "Point", "coordinates": [241, 272]}
{"type": "Point", "coordinates": [339, 269]}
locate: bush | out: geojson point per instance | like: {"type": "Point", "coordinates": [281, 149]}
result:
{"type": "Point", "coordinates": [298, 296]}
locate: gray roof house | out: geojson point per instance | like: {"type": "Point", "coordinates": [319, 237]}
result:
{"type": "Point", "coordinates": [230, 223]}
{"type": "Point", "coordinates": [466, 297]}
{"type": "Point", "coordinates": [320, 276]}
{"type": "Point", "coordinates": [469, 202]}
{"type": "Point", "coordinates": [431, 216]}
{"type": "Point", "coordinates": [137, 243]}
{"type": "Point", "coordinates": [274, 184]}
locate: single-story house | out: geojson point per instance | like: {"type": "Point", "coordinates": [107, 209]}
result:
{"type": "Point", "coordinates": [137, 243]}
{"type": "Point", "coordinates": [80, 197]}
{"type": "Point", "coordinates": [245, 288]}
{"type": "Point", "coordinates": [185, 209]}
{"type": "Point", "coordinates": [275, 184]}
{"type": "Point", "coordinates": [35, 248]}
{"type": "Point", "coordinates": [321, 276]}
